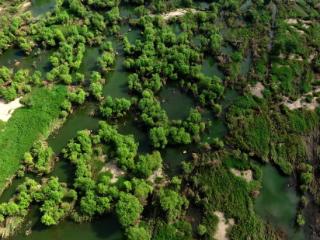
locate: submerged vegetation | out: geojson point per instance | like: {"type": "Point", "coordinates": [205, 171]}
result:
{"type": "Point", "coordinates": [98, 137]}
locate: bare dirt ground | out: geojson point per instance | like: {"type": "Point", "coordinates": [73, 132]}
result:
{"type": "Point", "coordinates": [246, 174]}
{"type": "Point", "coordinates": [7, 109]}
{"type": "Point", "coordinates": [257, 90]}
{"type": "Point", "coordinates": [223, 227]}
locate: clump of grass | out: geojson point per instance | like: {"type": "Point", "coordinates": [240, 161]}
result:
{"type": "Point", "coordinates": [26, 126]}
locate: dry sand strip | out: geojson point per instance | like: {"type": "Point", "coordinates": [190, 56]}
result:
{"type": "Point", "coordinates": [177, 13]}
{"type": "Point", "coordinates": [223, 226]}
{"type": "Point", "coordinates": [7, 109]}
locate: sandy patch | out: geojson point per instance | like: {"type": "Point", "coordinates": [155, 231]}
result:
{"type": "Point", "coordinates": [156, 174]}
{"type": "Point", "coordinates": [257, 90]}
{"type": "Point", "coordinates": [294, 21]}
{"type": "Point", "coordinates": [291, 21]}
{"type": "Point", "coordinates": [177, 13]}
{"type": "Point", "coordinates": [305, 25]}
{"type": "Point", "coordinates": [114, 170]}
{"type": "Point", "coordinates": [223, 226]}
{"type": "Point", "coordinates": [246, 174]}
{"type": "Point", "coordinates": [306, 21]}
{"type": "Point", "coordinates": [311, 57]}
{"type": "Point", "coordinates": [24, 6]}
{"type": "Point", "coordinates": [295, 57]}
{"type": "Point", "coordinates": [301, 102]}
{"type": "Point", "coordinates": [301, 32]}
{"type": "Point", "coordinates": [291, 56]}
{"type": "Point", "coordinates": [7, 109]}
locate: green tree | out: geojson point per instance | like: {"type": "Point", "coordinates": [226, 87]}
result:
{"type": "Point", "coordinates": [115, 107]}
{"type": "Point", "coordinates": [148, 163]}
{"type": "Point", "coordinates": [158, 137]}
{"type": "Point", "coordinates": [128, 209]}
{"type": "Point", "coordinates": [172, 203]}
{"type": "Point", "coordinates": [138, 233]}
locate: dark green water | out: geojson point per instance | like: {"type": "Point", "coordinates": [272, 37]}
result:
{"type": "Point", "coordinates": [39, 7]}
{"type": "Point", "coordinates": [218, 128]}
{"type": "Point", "coordinates": [173, 156]}
{"type": "Point", "coordinates": [116, 84]}
{"type": "Point", "coordinates": [202, 5]}
{"type": "Point", "coordinates": [8, 193]}
{"type": "Point", "coordinates": [89, 62]}
{"type": "Point", "coordinates": [132, 34]}
{"type": "Point", "coordinates": [77, 121]}
{"type": "Point", "coordinates": [246, 64]}
{"type": "Point", "coordinates": [246, 5]}
{"type": "Point", "coordinates": [210, 68]}
{"type": "Point", "coordinates": [132, 127]}
{"type": "Point", "coordinates": [106, 228]}
{"type": "Point", "coordinates": [176, 103]}
{"type": "Point", "coordinates": [176, 28]}
{"type": "Point", "coordinates": [126, 11]}
{"type": "Point", "coordinates": [228, 50]}
{"type": "Point", "coordinates": [16, 59]}
{"type": "Point", "coordinates": [277, 203]}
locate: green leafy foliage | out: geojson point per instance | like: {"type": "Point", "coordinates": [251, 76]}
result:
{"type": "Point", "coordinates": [128, 209]}
{"type": "Point", "coordinates": [25, 126]}
{"type": "Point", "coordinates": [115, 107]}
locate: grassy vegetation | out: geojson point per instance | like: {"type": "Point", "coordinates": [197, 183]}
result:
{"type": "Point", "coordinates": [26, 126]}
{"type": "Point", "coordinates": [219, 190]}
{"type": "Point", "coordinates": [271, 133]}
